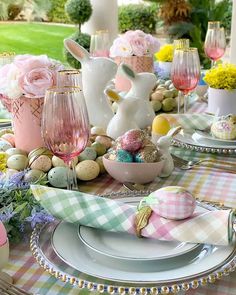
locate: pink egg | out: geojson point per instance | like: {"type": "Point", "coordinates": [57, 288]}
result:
{"type": "Point", "coordinates": [3, 235]}
{"type": "Point", "coordinates": [9, 137]}
{"type": "Point", "coordinates": [173, 202]}
{"type": "Point", "coordinates": [132, 140]}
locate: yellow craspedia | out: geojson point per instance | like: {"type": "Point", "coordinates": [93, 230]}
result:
{"type": "Point", "coordinates": [165, 53]}
{"type": "Point", "coordinates": [160, 125]}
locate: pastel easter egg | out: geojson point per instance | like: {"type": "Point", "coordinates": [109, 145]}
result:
{"type": "Point", "coordinates": [9, 137]}
{"type": "Point", "coordinates": [131, 141]}
{"type": "Point", "coordinates": [124, 156]}
{"type": "Point", "coordinates": [3, 234]}
{"type": "Point", "coordinates": [97, 130]}
{"type": "Point", "coordinates": [57, 177]}
{"type": "Point", "coordinates": [99, 148]}
{"type": "Point", "coordinates": [5, 145]}
{"type": "Point", "coordinates": [42, 163]}
{"type": "Point", "coordinates": [157, 95]}
{"type": "Point", "coordinates": [173, 202]}
{"type": "Point", "coordinates": [101, 165]}
{"type": "Point", "coordinates": [57, 162]}
{"type": "Point", "coordinates": [40, 151]}
{"type": "Point", "coordinates": [88, 154]}
{"type": "Point", "coordinates": [160, 125]}
{"type": "Point", "coordinates": [33, 175]}
{"type": "Point", "coordinates": [106, 141]}
{"type": "Point", "coordinates": [18, 162]}
{"type": "Point", "coordinates": [87, 170]}
{"type": "Point", "coordinates": [156, 105]}
{"type": "Point", "coordinates": [15, 151]}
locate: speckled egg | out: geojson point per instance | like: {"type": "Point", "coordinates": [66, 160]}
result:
{"type": "Point", "coordinates": [9, 137]}
{"type": "Point", "coordinates": [87, 170]}
{"type": "Point", "coordinates": [97, 130]}
{"type": "Point", "coordinates": [131, 141]}
{"type": "Point", "coordinates": [88, 154]}
{"type": "Point", "coordinates": [172, 202]}
{"type": "Point", "coordinates": [42, 163]}
{"type": "Point", "coordinates": [33, 175]}
{"type": "Point", "coordinates": [101, 165]}
{"type": "Point", "coordinates": [5, 145]}
{"type": "Point", "coordinates": [15, 151]}
{"type": "Point", "coordinates": [57, 162]}
{"type": "Point", "coordinates": [106, 141]}
{"type": "Point", "coordinates": [124, 156]}
{"type": "Point", "coordinates": [57, 177]}
{"type": "Point", "coordinates": [18, 162]}
{"type": "Point", "coordinates": [99, 148]}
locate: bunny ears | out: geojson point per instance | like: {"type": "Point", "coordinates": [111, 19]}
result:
{"type": "Point", "coordinates": [76, 50]}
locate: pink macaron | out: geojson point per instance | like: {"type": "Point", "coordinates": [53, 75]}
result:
{"type": "Point", "coordinates": [9, 137]}
{"type": "Point", "coordinates": [3, 235]}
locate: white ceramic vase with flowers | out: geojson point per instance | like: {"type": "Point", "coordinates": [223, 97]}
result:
{"type": "Point", "coordinates": [23, 84]}
{"type": "Point", "coordinates": [136, 49]}
{"type": "Point", "coordinates": [165, 57]}
{"type": "Point", "coordinates": [222, 89]}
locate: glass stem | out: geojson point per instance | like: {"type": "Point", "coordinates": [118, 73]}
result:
{"type": "Point", "coordinates": [74, 176]}
{"type": "Point", "coordinates": [212, 63]}
{"type": "Point", "coordinates": [179, 101]}
{"type": "Point", "coordinates": [186, 103]}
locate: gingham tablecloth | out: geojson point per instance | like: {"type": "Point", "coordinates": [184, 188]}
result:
{"type": "Point", "coordinates": [205, 183]}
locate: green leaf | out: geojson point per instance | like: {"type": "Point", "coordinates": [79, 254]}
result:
{"type": "Point", "coordinates": [19, 208]}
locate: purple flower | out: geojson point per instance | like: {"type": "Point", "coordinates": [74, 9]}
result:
{"type": "Point", "coordinates": [6, 216]}
{"type": "Point", "coordinates": [39, 217]}
{"type": "Point", "coordinates": [15, 181]}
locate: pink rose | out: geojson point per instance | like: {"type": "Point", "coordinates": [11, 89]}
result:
{"type": "Point", "coordinates": [152, 43]}
{"type": "Point", "coordinates": [139, 46]}
{"type": "Point", "coordinates": [34, 83]}
{"type": "Point", "coordinates": [120, 47]}
{"type": "Point", "coordinates": [27, 62]}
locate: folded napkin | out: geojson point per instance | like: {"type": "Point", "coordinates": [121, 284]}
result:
{"type": "Point", "coordinates": [190, 121]}
{"type": "Point", "coordinates": [212, 227]}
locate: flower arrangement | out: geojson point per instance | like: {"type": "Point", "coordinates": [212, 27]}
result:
{"type": "Point", "coordinates": [134, 43]}
{"type": "Point", "coordinates": [28, 75]}
{"type": "Point", "coordinates": [222, 76]}
{"type": "Point", "coordinates": [165, 54]}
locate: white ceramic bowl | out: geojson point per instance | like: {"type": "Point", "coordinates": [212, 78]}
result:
{"type": "Point", "coordinates": [133, 172]}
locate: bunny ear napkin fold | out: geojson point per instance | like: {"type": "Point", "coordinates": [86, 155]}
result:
{"type": "Point", "coordinates": [212, 227]}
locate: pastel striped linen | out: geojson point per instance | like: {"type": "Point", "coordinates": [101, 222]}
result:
{"type": "Point", "coordinates": [212, 227]}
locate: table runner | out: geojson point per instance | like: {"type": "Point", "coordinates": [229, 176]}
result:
{"type": "Point", "coordinates": [205, 183]}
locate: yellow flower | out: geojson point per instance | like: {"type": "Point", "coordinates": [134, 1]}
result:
{"type": "Point", "coordinates": [3, 162]}
{"type": "Point", "coordinates": [166, 53]}
{"type": "Point", "coordinates": [223, 76]}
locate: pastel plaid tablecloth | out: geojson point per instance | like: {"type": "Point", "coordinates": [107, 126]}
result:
{"type": "Point", "coordinates": [205, 183]}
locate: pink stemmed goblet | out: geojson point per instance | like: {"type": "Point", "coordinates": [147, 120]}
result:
{"type": "Point", "coordinates": [65, 124]}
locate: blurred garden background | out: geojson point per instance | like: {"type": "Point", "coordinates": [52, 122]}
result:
{"type": "Point", "coordinates": [39, 26]}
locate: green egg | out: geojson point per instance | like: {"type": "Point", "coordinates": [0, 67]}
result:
{"type": "Point", "coordinates": [168, 93]}
{"type": "Point", "coordinates": [99, 148]}
{"type": "Point", "coordinates": [33, 175]}
{"type": "Point", "coordinates": [100, 163]}
{"type": "Point", "coordinates": [57, 177]}
{"type": "Point", "coordinates": [18, 162]}
{"type": "Point", "coordinates": [88, 154]}
{"type": "Point", "coordinates": [168, 104]}
{"type": "Point", "coordinates": [156, 104]}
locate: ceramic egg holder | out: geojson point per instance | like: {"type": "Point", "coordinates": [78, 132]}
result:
{"type": "Point", "coordinates": [142, 85]}
{"type": "Point", "coordinates": [96, 73]}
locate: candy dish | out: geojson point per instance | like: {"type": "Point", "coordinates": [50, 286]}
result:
{"type": "Point", "coordinates": [133, 172]}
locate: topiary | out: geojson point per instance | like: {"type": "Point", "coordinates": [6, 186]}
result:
{"type": "Point", "coordinates": [83, 40]}
{"type": "Point", "coordinates": [57, 13]}
{"type": "Point", "coordinates": [79, 11]}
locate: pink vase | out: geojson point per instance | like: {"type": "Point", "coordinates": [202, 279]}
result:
{"type": "Point", "coordinates": [27, 113]}
{"type": "Point", "coordinates": [139, 64]}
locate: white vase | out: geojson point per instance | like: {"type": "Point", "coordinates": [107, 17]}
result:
{"type": "Point", "coordinates": [221, 102]}
{"type": "Point", "coordinates": [165, 67]}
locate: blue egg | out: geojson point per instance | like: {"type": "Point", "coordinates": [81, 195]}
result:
{"type": "Point", "coordinates": [124, 156]}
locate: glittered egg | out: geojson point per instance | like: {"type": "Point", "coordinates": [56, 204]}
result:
{"type": "Point", "coordinates": [87, 170]}
{"type": "Point", "coordinates": [33, 175]}
{"type": "Point", "coordinates": [15, 151]}
{"type": "Point", "coordinates": [42, 163]}
{"type": "Point", "coordinates": [99, 160]}
{"type": "Point", "coordinates": [148, 154]}
{"type": "Point", "coordinates": [9, 137]}
{"type": "Point", "coordinates": [106, 141]}
{"type": "Point", "coordinates": [160, 125]}
{"type": "Point", "coordinates": [131, 141]}
{"type": "Point", "coordinates": [5, 145]}
{"type": "Point", "coordinates": [18, 162]}
{"type": "Point", "coordinates": [124, 156]}
{"type": "Point", "coordinates": [57, 177]}
{"type": "Point", "coordinates": [88, 154]}
{"type": "Point", "coordinates": [97, 130]}
{"type": "Point", "coordinates": [57, 162]}
{"type": "Point", "coordinates": [99, 148]}
{"type": "Point", "coordinates": [172, 202]}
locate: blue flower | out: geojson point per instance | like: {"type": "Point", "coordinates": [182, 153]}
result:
{"type": "Point", "coordinates": [39, 217]}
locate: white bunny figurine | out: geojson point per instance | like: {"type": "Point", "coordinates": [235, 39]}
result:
{"type": "Point", "coordinates": [141, 87]}
{"type": "Point", "coordinates": [96, 73]}
{"type": "Point", "coordinates": [164, 144]}
{"type": "Point", "coordinates": [122, 120]}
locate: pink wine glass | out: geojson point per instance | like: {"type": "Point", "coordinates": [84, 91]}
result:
{"type": "Point", "coordinates": [215, 42]}
{"type": "Point", "coordinates": [100, 44]}
{"type": "Point", "coordinates": [65, 124]}
{"type": "Point", "coordinates": [185, 73]}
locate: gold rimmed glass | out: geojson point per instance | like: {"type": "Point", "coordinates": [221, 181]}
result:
{"type": "Point", "coordinates": [100, 44]}
{"type": "Point", "coordinates": [181, 43]}
{"type": "Point", "coordinates": [6, 58]}
{"type": "Point", "coordinates": [213, 25]}
{"type": "Point", "coordinates": [69, 78]}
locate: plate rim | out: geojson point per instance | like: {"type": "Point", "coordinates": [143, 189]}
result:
{"type": "Point", "coordinates": [212, 138]}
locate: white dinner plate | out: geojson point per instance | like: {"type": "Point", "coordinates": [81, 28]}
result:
{"type": "Point", "coordinates": [73, 252]}
{"type": "Point", "coordinates": [207, 135]}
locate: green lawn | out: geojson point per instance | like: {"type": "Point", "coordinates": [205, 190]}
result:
{"type": "Point", "coordinates": [34, 38]}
